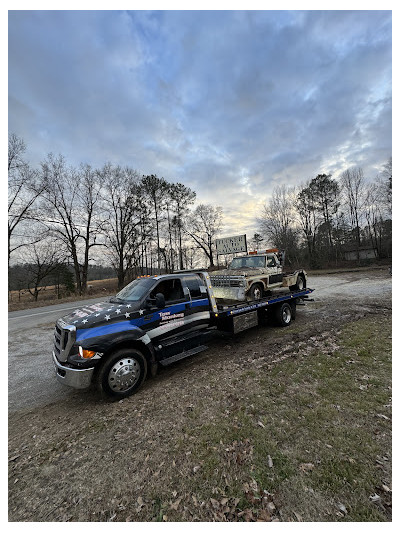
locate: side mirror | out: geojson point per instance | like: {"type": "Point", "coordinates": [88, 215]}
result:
{"type": "Point", "coordinates": [160, 300]}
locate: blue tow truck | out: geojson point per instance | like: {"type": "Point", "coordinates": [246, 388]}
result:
{"type": "Point", "coordinates": [155, 320]}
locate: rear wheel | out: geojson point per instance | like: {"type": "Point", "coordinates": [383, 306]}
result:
{"type": "Point", "coordinates": [283, 314]}
{"type": "Point", "coordinates": [300, 284]}
{"type": "Point", "coordinates": [123, 373]}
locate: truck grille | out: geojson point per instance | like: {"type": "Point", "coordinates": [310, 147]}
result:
{"type": "Point", "coordinates": [64, 338]}
{"type": "Point", "coordinates": [227, 281]}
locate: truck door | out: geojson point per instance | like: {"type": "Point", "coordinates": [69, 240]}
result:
{"type": "Point", "coordinates": [172, 319]}
{"type": "Point", "coordinates": [274, 270]}
{"type": "Point", "coordinates": [199, 308]}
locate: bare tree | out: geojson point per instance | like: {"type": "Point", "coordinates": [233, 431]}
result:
{"type": "Point", "coordinates": [124, 222]}
{"type": "Point", "coordinates": [156, 188]}
{"type": "Point", "coordinates": [182, 197]}
{"type": "Point", "coordinates": [385, 186]}
{"type": "Point", "coordinates": [16, 150]}
{"type": "Point", "coordinates": [353, 189]}
{"type": "Point", "coordinates": [24, 188]}
{"type": "Point", "coordinates": [92, 223]}
{"type": "Point", "coordinates": [70, 200]}
{"type": "Point", "coordinates": [379, 227]}
{"type": "Point", "coordinates": [204, 224]}
{"type": "Point", "coordinates": [42, 259]}
{"type": "Point", "coordinates": [277, 220]}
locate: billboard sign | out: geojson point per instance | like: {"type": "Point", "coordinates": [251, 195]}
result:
{"type": "Point", "coordinates": [231, 245]}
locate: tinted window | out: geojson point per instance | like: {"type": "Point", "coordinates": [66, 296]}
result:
{"type": "Point", "coordinates": [170, 288]}
{"type": "Point", "coordinates": [193, 283]}
{"type": "Point", "coordinates": [136, 290]}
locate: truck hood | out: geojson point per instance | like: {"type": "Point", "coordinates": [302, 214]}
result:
{"type": "Point", "coordinates": [239, 272]}
{"type": "Point", "coordinates": [101, 313]}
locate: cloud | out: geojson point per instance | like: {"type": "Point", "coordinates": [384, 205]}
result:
{"type": "Point", "coordinates": [229, 103]}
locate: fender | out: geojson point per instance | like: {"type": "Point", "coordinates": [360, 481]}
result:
{"type": "Point", "coordinates": [301, 272]}
{"type": "Point", "coordinates": [104, 338]}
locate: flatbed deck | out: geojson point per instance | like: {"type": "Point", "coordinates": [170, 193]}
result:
{"type": "Point", "coordinates": [244, 307]}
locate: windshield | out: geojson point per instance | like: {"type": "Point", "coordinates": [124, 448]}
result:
{"type": "Point", "coordinates": [136, 289]}
{"type": "Point", "coordinates": [252, 262]}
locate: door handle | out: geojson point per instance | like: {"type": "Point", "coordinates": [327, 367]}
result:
{"type": "Point", "coordinates": [148, 317]}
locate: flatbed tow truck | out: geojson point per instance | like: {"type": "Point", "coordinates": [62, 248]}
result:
{"type": "Point", "coordinates": [155, 320]}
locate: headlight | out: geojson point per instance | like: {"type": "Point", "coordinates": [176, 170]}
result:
{"type": "Point", "coordinates": [86, 354]}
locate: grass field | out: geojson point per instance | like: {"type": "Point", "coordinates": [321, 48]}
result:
{"type": "Point", "coordinates": [312, 433]}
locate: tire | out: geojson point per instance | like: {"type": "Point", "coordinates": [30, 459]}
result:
{"type": "Point", "coordinates": [300, 284]}
{"type": "Point", "coordinates": [293, 305]}
{"type": "Point", "coordinates": [283, 314]}
{"type": "Point", "coordinates": [256, 291]}
{"type": "Point", "coordinates": [122, 373]}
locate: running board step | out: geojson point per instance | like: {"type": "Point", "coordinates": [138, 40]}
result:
{"type": "Point", "coordinates": [182, 355]}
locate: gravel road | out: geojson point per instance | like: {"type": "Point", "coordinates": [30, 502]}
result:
{"type": "Point", "coordinates": [31, 378]}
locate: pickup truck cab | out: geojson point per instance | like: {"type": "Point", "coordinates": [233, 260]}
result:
{"type": "Point", "coordinates": [155, 320]}
{"type": "Point", "coordinates": [251, 276]}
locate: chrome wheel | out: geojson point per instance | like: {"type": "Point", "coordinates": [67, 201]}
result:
{"type": "Point", "coordinates": [286, 314]}
{"type": "Point", "coordinates": [124, 374]}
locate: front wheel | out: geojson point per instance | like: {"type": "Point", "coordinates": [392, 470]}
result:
{"type": "Point", "coordinates": [123, 373]}
{"type": "Point", "coordinates": [256, 291]}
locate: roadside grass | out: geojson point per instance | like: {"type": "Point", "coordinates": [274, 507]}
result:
{"type": "Point", "coordinates": [24, 300]}
{"type": "Point", "coordinates": [312, 433]}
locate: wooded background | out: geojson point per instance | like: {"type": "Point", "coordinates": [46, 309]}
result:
{"type": "Point", "coordinates": [68, 225]}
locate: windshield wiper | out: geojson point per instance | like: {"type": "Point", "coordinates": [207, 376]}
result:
{"type": "Point", "coordinates": [115, 299]}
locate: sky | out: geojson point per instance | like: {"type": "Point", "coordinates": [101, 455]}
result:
{"type": "Point", "coordinates": [230, 103]}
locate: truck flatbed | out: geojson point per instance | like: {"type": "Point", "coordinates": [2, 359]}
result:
{"type": "Point", "coordinates": [244, 307]}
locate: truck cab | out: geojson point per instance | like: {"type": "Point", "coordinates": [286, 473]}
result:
{"type": "Point", "coordinates": [268, 262]}
{"type": "Point", "coordinates": [155, 316]}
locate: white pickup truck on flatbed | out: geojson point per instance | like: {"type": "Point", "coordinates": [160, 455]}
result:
{"type": "Point", "coordinates": [252, 276]}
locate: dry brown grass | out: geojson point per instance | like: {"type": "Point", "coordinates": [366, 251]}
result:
{"type": "Point", "coordinates": [48, 296]}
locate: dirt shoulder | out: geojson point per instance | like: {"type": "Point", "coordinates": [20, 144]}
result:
{"type": "Point", "coordinates": [280, 424]}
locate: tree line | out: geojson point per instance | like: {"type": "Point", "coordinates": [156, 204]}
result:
{"type": "Point", "coordinates": [59, 214]}
{"type": "Point", "coordinates": [61, 219]}
{"type": "Point", "coordinates": [319, 221]}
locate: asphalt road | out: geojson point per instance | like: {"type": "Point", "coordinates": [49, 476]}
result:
{"type": "Point", "coordinates": [31, 376]}
{"type": "Point", "coordinates": [28, 318]}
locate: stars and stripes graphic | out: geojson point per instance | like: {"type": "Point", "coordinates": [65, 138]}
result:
{"type": "Point", "coordinates": [107, 312]}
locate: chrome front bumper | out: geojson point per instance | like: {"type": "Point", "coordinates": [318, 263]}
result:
{"type": "Point", "coordinates": [73, 377]}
